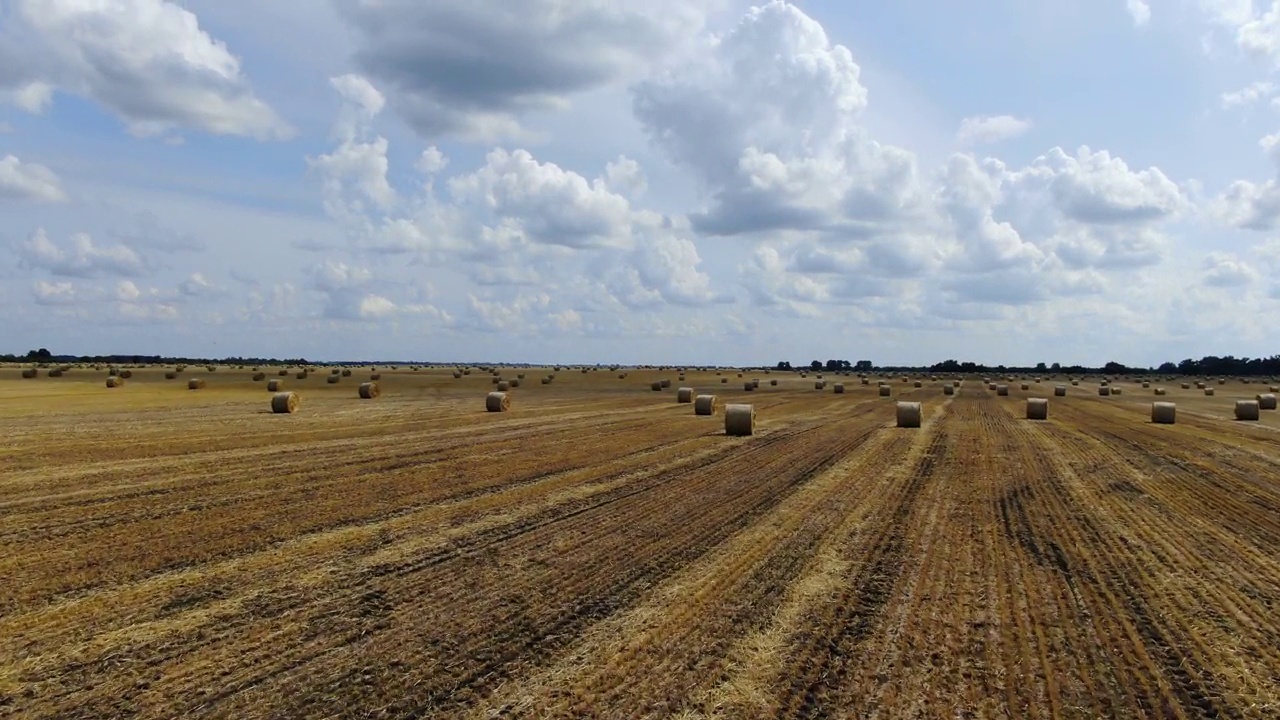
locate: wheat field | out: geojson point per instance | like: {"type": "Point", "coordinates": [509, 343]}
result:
{"type": "Point", "coordinates": [600, 551]}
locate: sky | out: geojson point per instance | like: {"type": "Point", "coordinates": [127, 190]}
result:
{"type": "Point", "coordinates": [642, 181]}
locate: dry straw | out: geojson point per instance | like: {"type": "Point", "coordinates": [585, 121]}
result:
{"type": "Point", "coordinates": [56, 372]}
{"type": "Point", "coordinates": [333, 379]}
{"type": "Point", "coordinates": [819, 384]}
{"type": "Point", "coordinates": [1002, 390]}
{"type": "Point", "coordinates": [29, 373]}
{"type": "Point", "coordinates": [1164, 413]}
{"type": "Point", "coordinates": [369, 390]}
{"type": "Point", "coordinates": [773, 383]}
{"type": "Point", "coordinates": [1060, 390]}
{"type": "Point", "coordinates": [283, 373]}
{"type": "Point", "coordinates": [655, 386]}
{"type": "Point", "coordinates": [1037, 409]}
{"type": "Point", "coordinates": [114, 381]}
{"type": "Point", "coordinates": [274, 385]}
{"type": "Point", "coordinates": [497, 402]}
{"type": "Point", "coordinates": [171, 375]}
{"type": "Point", "coordinates": [910, 414]}
{"type": "Point", "coordinates": [1104, 390]}
{"type": "Point", "coordinates": [195, 384]}
{"type": "Point", "coordinates": [684, 395]}
{"type": "Point", "coordinates": [948, 389]}
{"type": "Point", "coordinates": [1266, 401]}
{"type": "Point", "coordinates": [885, 390]}
{"type": "Point", "coordinates": [285, 403]}
{"type": "Point", "coordinates": [259, 377]}
{"type": "Point", "coordinates": [1025, 386]}
{"type": "Point", "coordinates": [839, 388]}
{"type": "Point", "coordinates": [739, 420]}
{"type": "Point", "coordinates": [748, 386]}
{"type": "Point", "coordinates": [1208, 391]}
{"type": "Point", "coordinates": [1247, 410]}
{"type": "Point", "coordinates": [1161, 391]}
{"type": "Point", "coordinates": [664, 383]}
{"type": "Point", "coordinates": [705, 405]}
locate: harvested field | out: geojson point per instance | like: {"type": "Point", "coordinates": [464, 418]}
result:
{"type": "Point", "coordinates": [600, 550]}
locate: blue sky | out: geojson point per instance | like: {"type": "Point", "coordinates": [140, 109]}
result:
{"type": "Point", "coordinates": [692, 181]}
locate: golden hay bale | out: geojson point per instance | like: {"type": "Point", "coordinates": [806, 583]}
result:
{"type": "Point", "coordinates": [1116, 391]}
{"type": "Point", "coordinates": [1208, 392]}
{"type": "Point", "coordinates": [1164, 413]}
{"type": "Point", "coordinates": [126, 374]}
{"type": "Point", "coordinates": [545, 381]}
{"type": "Point", "coordinates": [346, 372]}
{"type": "Point", "coordinates": [1060, 390]}
{"type": "Point", "coordinates": [819, 384]}
{"type": "Point", "coordinates": [739, 420]}
{"type": "Point", "coordinates": [773, 383]}
{"type": "Point", "coordinates": [497, 402]}
{"type": "Point", "coordinates": [666, 384]}
{"type": "Point", "coordinates": [839, 388]}
{"type": "Point", "coordinates": [684, 395]}
{"type": "Point", "coordinates": [302, 375]}
{"type": "Point", "coordinates": [274, 385]}
{"type": "Point", "coordinates": [56, 372]}
{"type": "Point", "coordinates": [195, 384]}
{"type": "Point", "coordinates": [755, 381]}
{"type": "Point", "coordinates": [1075, 382]}
{"type": "Point", "coordinates": [1037, 409]}
{"type": "Point", "coordinates": [495, 380]}
{"type": "Point", "coordinates": [375, 376]}
{"type": "Point", "coordinates": [705, 405]}
{"type": "Point", "coordinates": [114, 381]}
{"type": "Point", "coordinates": [1274, 389]}
{"type": "Point", "coordinates": [748, 386]}
{"type": "Point", "coordinates": [1146, 385]}
{"type": "Point", "coordinates": [333, 379]}
{"type": "Point", "coordinates": [457, 375]}
{"type": "Point", "coordinates": [955, 383]}
{"type": "Point", "coordinates": [503, 385]}
{"type": "Point", "coordinates": [1104, 390]}
{"type": "Point", "coordinates": [948, 390]}
{"type": "Point", "coordinates": [369, 390]}
{"type": "Point", "coordinates": [1025, 386]}
{"type": "Point", "coordinates": [171, 375]}
{"type": "Point", "coordinates": [1002, 390]}
{"type": "Point", "coordinates": [513, 383]}
{"type": "Point", "coordinates": [211, 368]}
{"type": "Point", "coordinates": [885, 390]}
{"type": "Point", "coordinates": [919, 384]}
{"type": "Point", "coordinates": [655, 386]}
{"type": "Point", "coordinates": [1186, 386]}
{"type": "Point", "coordinates": [1161, 391]}
{"type": "Point", "coordinates": [28, 373]}
{"type": "Point", "coordinates": [467, 371]}
{"type": "Point", "coordinates": [1266, 401]}
{"type": "Point", "coordinates": [865, 381]}
{"type": "Point", "coordinates": [1247, 410]}
{"type": "Point", "coordinates": [519, 376]}
{"type": "Point", "coordinates": [910, 414]}
{"type": "Point", "coordinates": [283, 373]}
{"type": "Point", "coordinates": [724, 380]}
{"type": "Point", "coordinates": [285, 403]}
{"type": "Point", "coordinates": [259, 377]}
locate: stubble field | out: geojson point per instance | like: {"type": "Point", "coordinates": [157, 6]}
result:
{"type": "Point", "coordinates": [600, 551]}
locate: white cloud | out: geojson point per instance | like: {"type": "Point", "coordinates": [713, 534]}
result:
{"type": "Point", "coordinates": [82, 259]}
{"type": "Point", "coordinates": [1249, 94]}
{"type": "Point", "coordinates": [28, 181]}
{"type": "Point", "coordinates": [1139, 12]}
{"type": "Point", "coordinates": [1225, 271]}
{"type": "Point", "coordinates": [54, 293]}
{"type": "Point", "coordinates": [987, 129]}
{"type": "Point", "coordinates": [147, 61]}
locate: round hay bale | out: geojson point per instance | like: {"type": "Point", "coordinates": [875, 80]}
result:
{"type": "Point", "coordinates": [1274, 389]}
{"type": "Point", "coordinates": [301, 376]}
{"type": "Point", "coordinates": [519, 376]}
{"type": "Point", "coordinates": [495, 380]}
{"type": "Point", "coordinates": [948, 390]}
{"type": "Point", "coordinates": [1247, 410]}
{"type": "Point", "coordinates": [739, 420]}
{"type": "Point", "coordinates": [1025, 387]}
{"type": "Point", "coordinates": [1060, 390]}
{"type": "Point", "coordinates": [1002, 390]}
{"type": "Point", "coordinates": [211, 368]}
{"type": "Point", "coordinates": [748, 386]}
{"type": "Point", "coordinates": [1146, 385]}
{"type": "Point", "coordinates": [885, 390]}
{"type": "Point", "coordinates": [497, 402]}
{"type": "Point", "coordinates": [274, 385]}
{"type": "Point", "coordinates": [910, 414]}
{"type": "Point", "coordinates": [259, 377]}
{"type": "Point", "coordinates": [865, 381]}
{"type": "Point", "coordinates": [1164, 413]}
{"type": "Point", "coordinates": [1161, 391]}
{"type": "Point", "coordinates": [545, 381]}
{"type": "Point", "coordinates": [684, 395]}
{"type": "Point", "coordinates": [503, 386]}
{"type": "Point", "coordinates": [705, 405]}
{"type": "Point", "coordinates": [955, 383]}
{"type": "Point", "coordinates": [1186, 386]}
{"type": "Point", "coordinates": [1037, 409]}
{"type": "Point", "coordinates": [513, 383]}
{"type": "Point", "coordinates": [1104, 390]}
{"type": "Point", "coordinates": [195, 384]}
{"type": "Point", "coordinates": [457, 375]}
{"type": "Point", "coordinates": [333, 379]}
{"type": "Point", "coordinates": [1075, 382]}
{"type": "Point", "coordinates": [1266, 401]}
{"type": "Point", "coordinates": [724, 380]}
{"type": "Point", "coordinates": [56, 372]}
{"type": "Point", "coordinates": [655, 386]}
{"type": "Point", "coordinates": [839, 388]}
{"type": "Point", "coordinates": [334, 371]}
{"type": "Point", "coordinates": [755, 381]}
{"type": "Point", "coordinates": [126, 374]}
{"type": "Point", "coordinates": [467, 371]}
{"type": "Point", "coordinates": [375, 377]}
{"type": "Point", "coordinates": [115, 381]}
{"type": "Point", "coordinates": [1208, 392]}
{"type": "Point", "coordinates": [283, 373]}
{"type": "Point", "coordinates": [29, 373]}
{"type": "Point", "coordinates": [346, 372]}
{"type": "Point", "coordinates": [285, 403]}
{"type": "Point", "coordinates": [1116, 391]}
{"type": "Point", "coordinates": [919, 384]}
{"type": "Point", "coordinates": [369, 390]}
{"type": "Point", "coordinates": [819, 384]}
{"type": "Point", "coordinates": [665, 384]}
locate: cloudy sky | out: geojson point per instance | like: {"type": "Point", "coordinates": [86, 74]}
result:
{"type": "Point", "coordinates": [686, 181]}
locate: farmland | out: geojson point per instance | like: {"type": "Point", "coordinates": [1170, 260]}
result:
{"type": "Point", "coordinates": [600, 550]}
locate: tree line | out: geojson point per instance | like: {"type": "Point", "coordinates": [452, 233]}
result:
{"type": "Point", "coordinates": [1208, 365]}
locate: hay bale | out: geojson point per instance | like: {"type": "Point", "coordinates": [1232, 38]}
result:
{"type": "Point", "coordinates": [495, 380]}
{"type": "Point", "coordinates": [1164, 413]}
{"type": "Point", "coordinates": [919, 384]}
{"type": "Point", "coordinates": [457, 375]}
{"type": "Point", "coordinates": [910, 414]}
{"type": "Point", "coordinates": [301, 376]}
{"type": "Point", "coordinates": [1060, 390]}
{"type": "Point", "coordinates": [773, 383]}
{"type": "Point", "coordinates": [519, 376]}
{"type": "Point", "coordinates": [948, 390]}
{"type": "Point", "coordinates": [865, 381]}
{"type": "Point", "coordinates": [1025, 386]}
{"type": "Point", "coordinates": [503, 386]}
{"type": "Point", "coordinates": [211, 368]}
{"type": "Point", "coordinates": [29, 373]}
{"type": "Point", "coordinates": [1116, 391]}
{"type": "Point", "coordinates": [513, 383]}
{"type": "Point", "coordinates": [126, 374]}
{"type": "Point", "coordinates": [467, 371]}
{"type": "Point", "coordinates": [1104, 391]}
{"type": "Point", "coordinates": [748, 386]}
{"type": "Point", "coordinates": [1161, 391]}
{"type": "Point", "coordinates": [283, 373]}
{"type": "Point", "coordinates": [545, 381]}
{"type": "Point", "coordinates": [1146, 385]}
{"type": "Point", "coordinates": [655, 386]}
{"type": "Point", "coordinates": [1247, 410]}
{"type": "Point", "coordinates": [369, 390]}
{"type": "Point", "coordinates": [1002, 390]}
{"type": "Point", "coordinates": [497, 402]}
{"type": "Point", "coordinates": [1266, 401]}
{"type": "Point", "coordinates": [56, 372]}
{"type": "Point", "coordinates": [665, 384]}
{"type": "Point", "coordinates": [739, 420]}
{"type": "Point", "coordinates": [839, 388]}
{"type": "Point", "coordinates": [375, 377]}
{"type": "Point", "coordinates": [115, 381]}
{"type": "Point", "coordinates": [684, 395]}
{"type": "Point", "coordinates": [955, 383]}
{"type": "Point", "coordinates": [756, 382]}
{"type": "Point", "coordinates": [1037, 409]}
{"type": "Point", "coordinates": [333, 379]}
{"type": "Point", "coordinates": [1208, 392]}
{"type": "Point", "coordinates": [819, 384]}
{"type": "Point", "coordinates": [195, 384]}
{"type": "Point", "coordinates": [1075, 382]}
{"type": "Point", "coordinates": [259, 377]}
{"type": "Point", "coordinates": [346, 372]}
{"type": "Point", "coordinates": [885, 390]}
{"type": "Point", "coordinates": [1186, 386]}
{"type": "Point", "coordinates": [705, 405]}
{"type": "Point", "coordinates": [274, 385]}
{"type": "Point", "coordinates": [285, 403]}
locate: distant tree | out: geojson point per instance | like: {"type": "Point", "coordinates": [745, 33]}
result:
{"type": "Point", "coordinates": [784, 365]}
{"type": "Point", "coordinates": [1056, 367]}
{"type": "Point", "coordinates": [863, 365]}
{"type": "Point", "coordinates": [1040, 367]}
{"type": "Point", "coordinates": [1167, 368]}
{"type": "Point", "coordinates": [816, 364]}
{"type": "Point", "coordinates": [41, 354]}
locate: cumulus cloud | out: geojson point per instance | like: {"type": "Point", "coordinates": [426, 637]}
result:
{"type": "Point", "coordinates": [1139, 12]}
{"type": "Point", "coordinates": [1248, 95]}
{"type": "Point", "coordinates": [1223, 270]}
{"type": "Point", "coordinates": [147, 61]}
{"type": "Point", "coordinates": [473, 69]}
{"type": "Point", "coordinates": [987, 129]}
{"type": "Point", "coordinates": [81, 258]}
{"type": "Point", "coordinates": [29, 181]}
{"type": "Point", "coordinates": [54, 293]}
